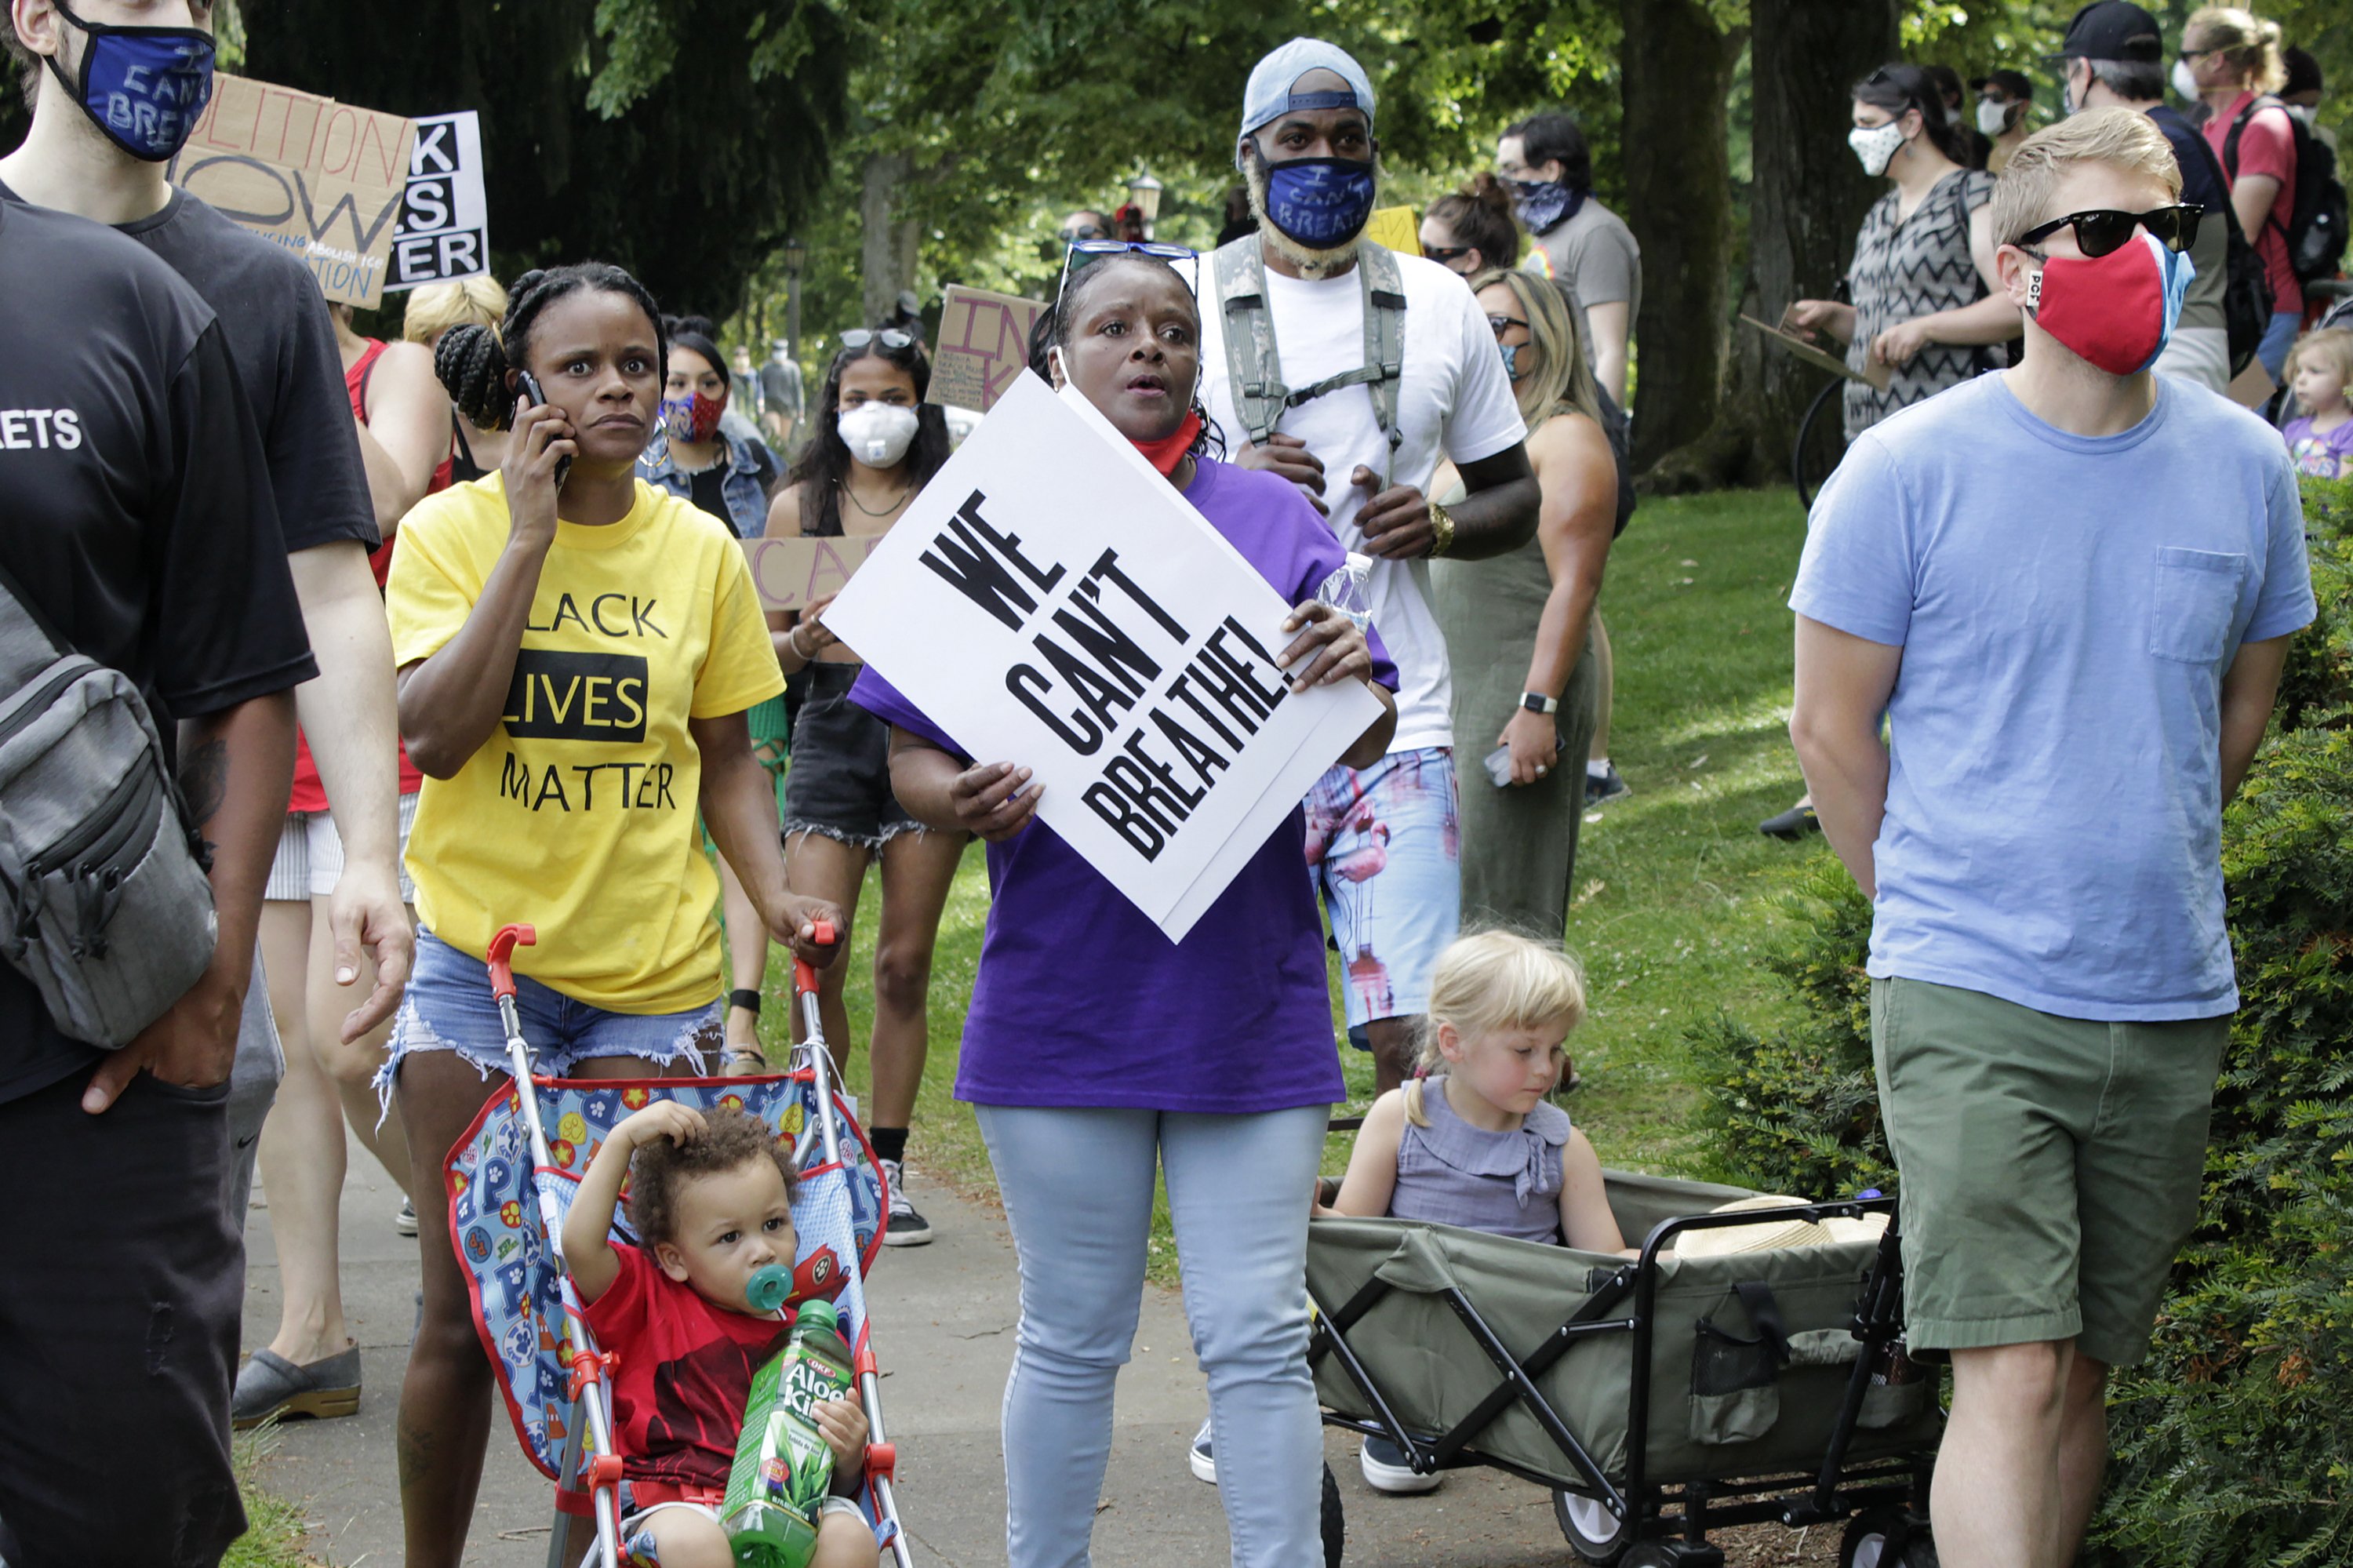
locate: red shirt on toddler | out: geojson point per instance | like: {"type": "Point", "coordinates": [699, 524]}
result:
{"type": "Point", "coordinates": [685, 1371]}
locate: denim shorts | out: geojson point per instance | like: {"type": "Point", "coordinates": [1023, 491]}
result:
{"type": "Point", "coordinates": [1385, 845]}
{"type": "Point", "coordinates": [448, 1007]}
{"type": "Point", "coordinates": [840, 785]}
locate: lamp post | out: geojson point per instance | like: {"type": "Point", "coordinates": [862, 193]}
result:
{"type": "Point", "coordinates": [1144, 192]}
{"type": "Point", "coordinates": [795, 253]}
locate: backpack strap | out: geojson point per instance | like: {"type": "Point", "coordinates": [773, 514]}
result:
{"type": "Point", "coordinates": [1254, 365]}
{"type": "Point", "coordinates": [2255, 106]}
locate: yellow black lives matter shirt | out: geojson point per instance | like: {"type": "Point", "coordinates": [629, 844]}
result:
{"type": "Point", "coordinates": [577, 815]}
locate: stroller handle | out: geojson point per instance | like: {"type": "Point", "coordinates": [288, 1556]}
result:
{"type": "Point", "coordinates": [502, 959]}
{"type": "Point", "coordinates": [804, 973]}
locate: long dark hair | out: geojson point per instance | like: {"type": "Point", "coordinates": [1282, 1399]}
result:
{"type": "Point", "coordinates": [824, 466]}
{"type": "Point", "coordinates": [1058, 321]}
{"type": "Point", "coordinates": [472, 361]}
{"type": "Point", "coordinates": [1897, 87]}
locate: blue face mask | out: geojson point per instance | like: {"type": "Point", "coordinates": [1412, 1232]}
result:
{"type": "Point", "coordinates": [144, 87]}
{"type": "Point", "coordinates": [1511, 353]}
{"type": "Point", "coordinates": [1541, 204]}
{"type": "Point", "coordinates": [1321, 203]}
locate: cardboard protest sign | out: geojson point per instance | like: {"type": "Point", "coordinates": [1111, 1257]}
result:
{"type": "Point", "coordinates": [323, 179]}
{"type": "Point", "coordinates": [983, 344]}
{"type": "Point", "coordinates": [1395, 227]}
{"type": "Point", "coordinates": [1050, 600]}
{"type": "Point", "coordinates": [444, 224]}
{"type": "Point", "coordinates": [1874, 374]}
{"type": "Point", "coordinates": [794, 573]}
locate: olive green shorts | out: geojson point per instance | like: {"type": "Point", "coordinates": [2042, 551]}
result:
{"type": "Point", "coordinates": [2051, 1166]}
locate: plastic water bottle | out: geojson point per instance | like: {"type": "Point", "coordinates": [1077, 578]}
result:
{"type": "Point", "coordinates": [1344, 590]}
{"type": "Point", "coordinates": [783, 1467]}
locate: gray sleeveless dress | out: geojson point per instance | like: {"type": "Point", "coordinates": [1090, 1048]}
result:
{"type": "Point", "coordinates": [1505, 1183]}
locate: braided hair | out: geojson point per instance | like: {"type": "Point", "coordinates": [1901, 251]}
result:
{"type": "Point", "coordinates": [1066, 312]}
{"type": "Point", "coordinates": [473, 361]}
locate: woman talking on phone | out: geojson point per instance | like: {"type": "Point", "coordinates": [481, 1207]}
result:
{"type": "Point", "coordinates": [576, 651]}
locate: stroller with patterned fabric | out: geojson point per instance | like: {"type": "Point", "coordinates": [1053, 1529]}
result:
{"type": "Point", "coordinates": [513, 1177]}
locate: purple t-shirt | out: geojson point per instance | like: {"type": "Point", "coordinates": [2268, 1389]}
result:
{"type": "Point", "coordinates": [2327, 455]}
{"type": "Point", "coordinates": [1081, 1000]}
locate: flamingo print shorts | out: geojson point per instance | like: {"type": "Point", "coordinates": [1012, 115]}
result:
{"type": "Point", "coordinates": [1385, 845]}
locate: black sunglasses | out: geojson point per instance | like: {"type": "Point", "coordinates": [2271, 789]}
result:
{"type": "Point", "coordinates": [1442, 254]}
{"type": "Point", "coordinates": [890, 337]}
{"type": "Point", "coordinates": [2103, 229]}
{"type": "Point", "coordinates": [1083, 232]}
{"type": "Point", "coordinates": [1088, 251]}
{"type": "Point", "coordinates": [1499, 325]}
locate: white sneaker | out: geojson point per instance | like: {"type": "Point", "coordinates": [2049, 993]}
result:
{"type": "Point", "coordinates": [1203, 1462]}
{"type": "Point", "coordinates": [905, 1227]}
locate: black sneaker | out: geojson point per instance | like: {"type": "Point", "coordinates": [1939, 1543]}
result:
{"type": "Point", "coordinates": [1385, 1469]}
{"type": "Point", "coordinates": [907, 1227]}
{"type": "Point", "coordinates": [1606, 785]}
{"type": "Point", "coordinates": [1203, 1462]}
{"type": "Point", "coordinates": [1792, 824]}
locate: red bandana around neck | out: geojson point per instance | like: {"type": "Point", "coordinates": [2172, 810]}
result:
{"type": "Point", "coordinates": [1165, 453]}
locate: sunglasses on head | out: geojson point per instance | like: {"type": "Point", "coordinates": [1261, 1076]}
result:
{"type": "Point", "coordinates": [2106, 228]}
{"type": "Point", "coordinates": [1086, 253]}
{"type": "Point", "coordinates": [889, 337]}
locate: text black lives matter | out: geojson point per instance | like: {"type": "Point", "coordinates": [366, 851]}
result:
{"type": "Point", "coordinates": [1116, 675]}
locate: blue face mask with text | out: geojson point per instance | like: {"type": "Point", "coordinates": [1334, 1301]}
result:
{"type": "Point", "coordinates": [1321, 203]}
{"type": "Point", "coordinates": [144, 86]}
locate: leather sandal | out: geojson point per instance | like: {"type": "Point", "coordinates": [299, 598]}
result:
{"type": "Point", "coordinates": [270, 1385]}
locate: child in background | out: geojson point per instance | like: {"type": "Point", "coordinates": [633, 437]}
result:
{"type": "Point", "coordinates": [711, 1200]}
{"type": "Point", "coordinates": [1471, 1141]}
{"type": "Point", "coordinates": [2317, 370]}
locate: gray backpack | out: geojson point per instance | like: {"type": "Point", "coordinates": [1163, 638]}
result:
{"type": "Point", "coordinates": [104, 905]}
{"type": "Point", "coordinates": [1254, 368]}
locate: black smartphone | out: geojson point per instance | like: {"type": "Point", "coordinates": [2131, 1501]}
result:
{"type": "Point", "coordinates": [528, 390]}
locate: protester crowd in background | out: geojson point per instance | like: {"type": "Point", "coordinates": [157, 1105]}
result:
{"type": "Point", "coordinates": [1469, 487]}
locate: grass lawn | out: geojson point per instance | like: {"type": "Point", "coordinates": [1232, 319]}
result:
{"type": "Point", "coordinates": [1673, 881]}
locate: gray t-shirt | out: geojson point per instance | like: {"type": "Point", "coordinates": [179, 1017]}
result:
{"type": "Point", "coordinates": [1594, 253]}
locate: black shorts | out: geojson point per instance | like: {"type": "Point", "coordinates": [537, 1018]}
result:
{"type": "Point", "coordinates": [120, 1301]}
{"type": "Point", "coordinates": [839, 782]}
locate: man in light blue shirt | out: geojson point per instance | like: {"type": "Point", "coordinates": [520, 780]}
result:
{"type": "Point", "coordinates": [2068, 589]}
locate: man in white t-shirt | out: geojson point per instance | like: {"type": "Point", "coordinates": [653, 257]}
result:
{"type": "Point", "coordinates": [1384, 841]}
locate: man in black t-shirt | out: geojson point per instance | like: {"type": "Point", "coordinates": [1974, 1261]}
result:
{"type": "Point", "coordinates": [275, 324]}
{"type": "Point", "coordinates": [139, 518]}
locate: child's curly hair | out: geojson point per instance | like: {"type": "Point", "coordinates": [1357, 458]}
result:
{"type": "Point", "coordinates": [732, 1138]}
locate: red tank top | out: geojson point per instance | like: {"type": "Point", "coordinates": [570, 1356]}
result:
{"type": "Point", "coordinates": [309, 794]}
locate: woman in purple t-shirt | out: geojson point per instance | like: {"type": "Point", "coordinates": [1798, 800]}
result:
{"type": "Point", "coordinates": [1096, 1050]}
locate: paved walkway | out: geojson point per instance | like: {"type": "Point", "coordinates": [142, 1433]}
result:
{"type": "Point", "coordinates": [944, 1324]}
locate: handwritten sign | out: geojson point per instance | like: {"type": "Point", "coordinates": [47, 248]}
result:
{"type": "Point", "coordinates": [984, 346]}
{"type": "Point", "coordinates": [444, 224]}
{"type": "Point", "coordinates": [326, 180]}
{"type": "Point", "coordinates": [794, 573]}
{"type": "Point", "coordinates": [1050, 600]}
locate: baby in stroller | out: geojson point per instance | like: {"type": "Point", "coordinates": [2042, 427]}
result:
{"type": "Point", "coordinates": [711, 1201]}
{"type": "Point", "coordinates": [1471, 1141]}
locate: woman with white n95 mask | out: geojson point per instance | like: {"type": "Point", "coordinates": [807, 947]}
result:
{"type": "Point", "coordinates": [875, 444]}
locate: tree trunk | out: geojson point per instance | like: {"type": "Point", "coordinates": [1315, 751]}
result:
{"type": "Point", "coordinates": [1808, 197]}
{"type": "Point", "coordinates": [1675, 73]}
{"type": "Point", "coordinates": [886, 253]}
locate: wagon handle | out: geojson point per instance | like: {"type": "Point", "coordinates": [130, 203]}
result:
{"type": "Point", "coordinates": [502, 947]}
{"type": "Point", "coordinates": [804, 974]}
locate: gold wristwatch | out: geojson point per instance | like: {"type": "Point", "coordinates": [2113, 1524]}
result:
{"type": "Point", "coordinates": [1441, 530]}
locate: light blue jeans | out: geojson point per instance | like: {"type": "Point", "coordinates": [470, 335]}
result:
{"type": "Point", "coordinates": [2279, 336]}
{"type": "Point", "coordinates": [1077, 1186]}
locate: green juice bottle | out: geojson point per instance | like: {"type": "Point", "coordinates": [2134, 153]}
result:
{"type": "Point", "coordinates": [783, 1466]}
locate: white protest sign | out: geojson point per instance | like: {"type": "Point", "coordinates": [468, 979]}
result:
{"type": "Point", "coordinates": [1050, 600]}
{"type": "Point", "coordinates": [445, 219]}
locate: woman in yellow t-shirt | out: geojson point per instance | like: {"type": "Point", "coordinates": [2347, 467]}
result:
{"type": "Point", "coordinates": [576, 652]}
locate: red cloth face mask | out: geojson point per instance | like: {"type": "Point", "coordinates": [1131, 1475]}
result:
{"type": "Point", "coordinates": [1165, 453]}
{"type": "Point", "coordinates": [2113, 311]}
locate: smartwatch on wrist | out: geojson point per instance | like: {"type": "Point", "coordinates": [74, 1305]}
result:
{"type": "Point", "coordinates": [1537, 703]}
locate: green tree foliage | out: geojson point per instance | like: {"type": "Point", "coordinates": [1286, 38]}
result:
{"type": "Point", "coordinates": [2233, 1444]}
{"type": "Point", "coordinates": [678, 138]}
